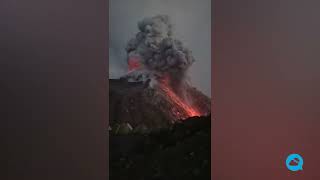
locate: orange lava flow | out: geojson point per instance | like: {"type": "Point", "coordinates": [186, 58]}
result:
{"type": "Point", "coordinates": [190, 111]}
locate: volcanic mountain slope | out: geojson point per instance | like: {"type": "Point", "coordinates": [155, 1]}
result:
{"type": "Point", "coordinates": [181, 152]}
{"type": "Point", "coordinates": [139, 106]}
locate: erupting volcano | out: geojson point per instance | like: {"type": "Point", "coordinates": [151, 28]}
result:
{"type": "Point", "coordinates": [155, 92]}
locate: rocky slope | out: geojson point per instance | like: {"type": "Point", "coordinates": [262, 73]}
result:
{"type": "Point", "coordinates": [137, 105]}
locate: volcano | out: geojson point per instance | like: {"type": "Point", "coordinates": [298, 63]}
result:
{"type": "Point", "coordinates": [159, 124]}
{"type": "Point", "coordinates": [155, 92]}
{"type": "Point", "coordinates": [140, 105]}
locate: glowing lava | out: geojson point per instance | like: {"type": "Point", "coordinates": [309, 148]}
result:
{"type": "Point", "coordinates": [187, 110]}
{"type": "Point", "coordinates": [133, 63]}
{"type": "Point", "coordinates": [178, 101]}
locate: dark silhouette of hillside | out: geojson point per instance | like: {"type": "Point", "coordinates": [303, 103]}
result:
{"type": "Point", "coordinates": [179, 152]}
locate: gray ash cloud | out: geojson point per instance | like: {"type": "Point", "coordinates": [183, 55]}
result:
{"type": "Point", "coordinates": [192, 25]}
{"type": "Point", "coordinates": [158, 50]}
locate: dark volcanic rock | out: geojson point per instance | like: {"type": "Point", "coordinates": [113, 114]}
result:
{"type": "Point", "coordinates": [181, 152]}
{"type": "Point", "coordinates": [144, 108]}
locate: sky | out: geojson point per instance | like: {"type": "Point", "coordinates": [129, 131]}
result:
{"type": "Point", "coordinates": [191, 22]}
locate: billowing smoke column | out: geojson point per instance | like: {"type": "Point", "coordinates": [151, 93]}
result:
{"type": "Point", "coordinates": [156, 50]}
{"type": "Point", "coordinates": [155, 55]}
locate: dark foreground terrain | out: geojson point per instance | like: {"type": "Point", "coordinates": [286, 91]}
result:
{"type": "Point", "coordinates": [181, 152]}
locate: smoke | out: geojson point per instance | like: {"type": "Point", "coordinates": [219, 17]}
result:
{"type": "Point", "coordinates": [191, 24]}
{"type": "Point", "coordinates": [156, 49]}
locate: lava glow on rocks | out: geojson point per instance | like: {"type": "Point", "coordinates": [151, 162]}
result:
{"type": "Point", "coordinates": [185, 109]}
{"type": "Point", "coordinates": [178, 101]}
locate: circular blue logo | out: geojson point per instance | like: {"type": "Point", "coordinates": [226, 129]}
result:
{"type": "Point", "coordinates": [294, 162]}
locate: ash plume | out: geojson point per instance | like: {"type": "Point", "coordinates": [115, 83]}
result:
{"type": "Point", "coordinates": [154, 49]}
